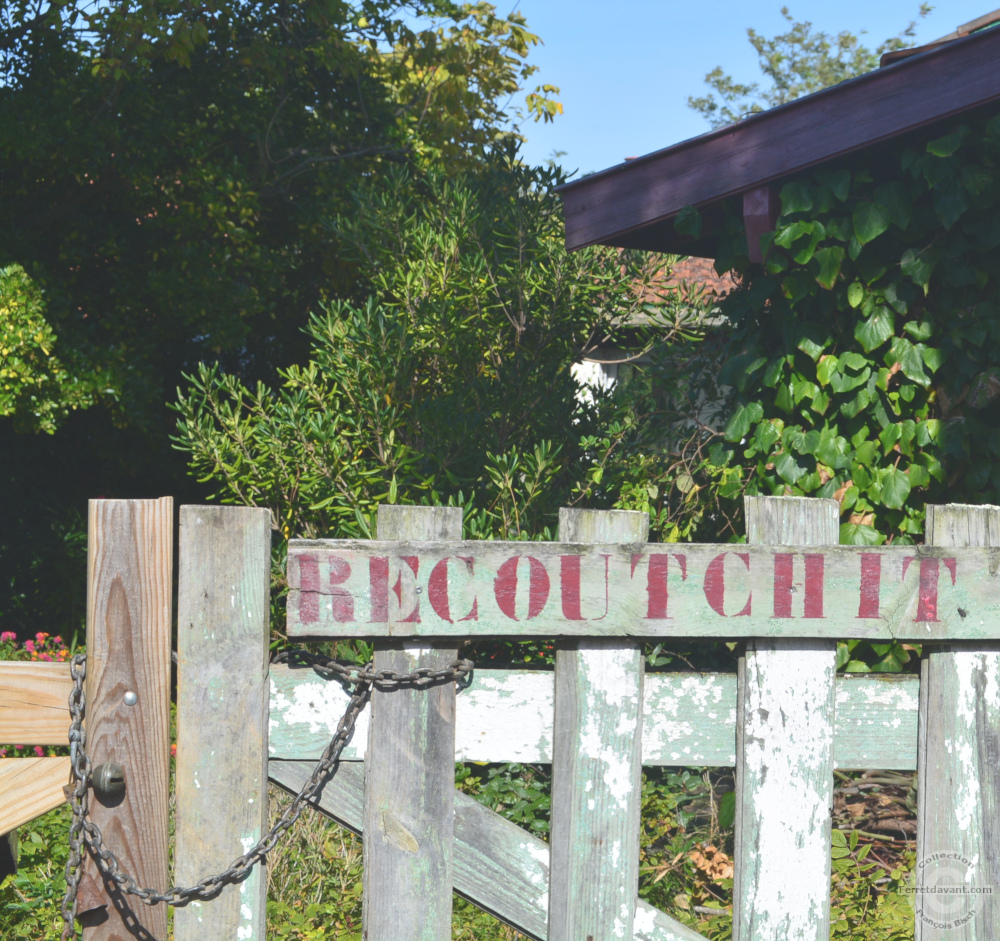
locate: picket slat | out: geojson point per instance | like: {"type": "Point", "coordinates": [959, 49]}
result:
{"type": "Point", "coordinates": [223, 618]}
{"type": "Point", "coordinates": [785, 745]}
{"type": "Point", "coordinates": [958, 813]}
{"type": "Point", "coordinates": [129, 601]}
{"type": "Point", "coordinates": [30, 787]}
{"type": "Point", "coordinates": [596, 760]}
{"type": "Point", "coordinates": [409, 783]}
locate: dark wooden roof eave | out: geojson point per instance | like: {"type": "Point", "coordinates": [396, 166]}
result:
{"type": "Point", "coordinates": [633, 204]}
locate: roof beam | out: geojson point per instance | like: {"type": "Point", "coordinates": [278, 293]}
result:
{"type": "Point", "coordinates": [616, 206]}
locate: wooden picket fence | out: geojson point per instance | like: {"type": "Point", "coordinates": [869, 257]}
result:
{"type": "Point", "coordinates": [784, 722]}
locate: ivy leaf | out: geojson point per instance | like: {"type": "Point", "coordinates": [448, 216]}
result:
{"type": "Point", "coordinates": [826, 368]}
{"type": "Point", "coordinates": [874, 331]}
{"type": "Point", "coordinates": [741, 421]}
{"type": "Point", "coordinates": [688, 222]}
{"type": "Point", "coordinates": [727, 810]}
{"type": "Point", "coordinates": [947, 145]}
{"type": "Point", "coordinates": [896, 200]}
{"type": "Point", "coordinates": [773, 372]}
{"type": "Point", "coordinates": [855, 294]}
{"type": "Point", "coordinates": [919, 476]}
{"type": "Point", "coordinates": [870, 221]}
{"type": "Point", "coordinates": [788, 468]}
{"type": "Point", "coordinates": [917, 266]}
{"type": "Point", "coordinates": [910, 360]}
{"type": "Point", "coordinates": [950, 202]}
{"type": "Point", "coordinates": [795, 197]}
{"type": "Point", "coordinates": [895, 488]}
{"type": "Point", "coordinates": [919, 329]}
{"type": "Point", "coordinates": [856, 534]}
{"type": "Point", "coordinates": [830, 261]}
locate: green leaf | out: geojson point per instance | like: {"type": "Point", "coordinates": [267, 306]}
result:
{"type": "Point", "coordinates": [870, 221]}
{"type": "Point", "coordinates": [896, 200]}
{"type": "Point", "coordinates": [688, 222]}
{"type": "Point", "coordinates": [895, 487]}
{"type": "Point", "coordinates": [947, 145]}
{"type": "Point", "coordinates": [795, 197]}
{"type": "Point", "coordinates": [788, 468]}
{"type": "Point", "coordinates": [855, 294]}
{"type": "Point", "coordinates": [830, 261]}
{"type": "Point", "coordinates": [773, 372]}
{"type": "Point", "coordinates": [727, 810]}
{"type": "Point", "coordinates": [874, 331]}
{"type": "Point", "coordinates": [856, 534]}
{"type": "Point", "coordinates": [741, 421]}
{"type": "Point", "coordinates": [917, 266]}
{"type": "Point", "coordinates": [857, 666]}
{"type": "Point", "coordinates": [810, 347]}
{"type": "Point", "coordinates": [825, 368]}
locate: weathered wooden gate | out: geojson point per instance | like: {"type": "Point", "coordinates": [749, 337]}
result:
{"type": "Point", "coordinates": [785, 721]}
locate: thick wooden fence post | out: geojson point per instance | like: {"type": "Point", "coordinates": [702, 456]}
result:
{"type": "Point", "coordinates": [223, 627]}
{"type": "Point", "coordinates": [409, 814]}
{"type": "Point", "coordinates": [784, 729]}
{"type": "Point", "coordinates": [958, 763]}
{"type": "Point", "coordinates": [129, 593]}
{"type": "Point", "coordinates": [596, 760]}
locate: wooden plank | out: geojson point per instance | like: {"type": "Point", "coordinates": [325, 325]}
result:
{"type": "Point", "coordinates": [613, 207]}
{"type": "Point", "coordinates": [688, 719]}
{"type": "Point", "coordinates": [129, 595]}
{"type": "Point", "coordinates": [223, 629]}
{"type": "Point", "coordinates": [34, 700]}
{"type": "Point", "coordinates": [461, 589]}
{"type": "Point", "coordinates": [596, 760]}
{"type": "Point", "coordinates": [410, 775]}
{"type": "Point", "coordinates": [30, 787]}
{"type": "Point", "coordinates": [784, 769]}
{"type": "Point", "coordinates": [958, 812]}
{"type": "Point", "coordinates": [498, 866]}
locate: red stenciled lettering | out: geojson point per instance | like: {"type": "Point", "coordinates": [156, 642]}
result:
{"type": "Point", "coordinates": [815, 567]}
{"type": "Point", "coordinates": [414, 563]}
{"type": "Point", "coordinates": [927, 592]}
{"type": "Point", "coordinates": [378, 579]}
{"type": "Point", "coordinates": [340, 598]}
{"type": "Point", "coordinates": [538, 587]}
{"type": "Point", "coordinates": [308, 589]}
{"type": "Point", "coordinates": [569, 586]}
{"type": "Point", "coordinates": [871, 583]}
{"type": "Point", "coordinates": [473, 614]}
{"type": "Point", "coordinates": [437, 591]}
{"type": "Point", "coordinates": [715, 584]}
{"type": "Point", "coordinates": [783, 584]}
{"type": "Point", "coordinates": [505, 587]}
{"type": "Point", "coordinates": [657, 590]}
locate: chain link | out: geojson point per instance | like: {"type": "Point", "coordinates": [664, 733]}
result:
{"type": "Point", "coordinates": [84, 832]}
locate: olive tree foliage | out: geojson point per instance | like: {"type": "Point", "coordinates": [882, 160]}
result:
{"type": "Point", "coordinates": [795, 63]}
{"type": "Point", "coordinates": [451, 383]}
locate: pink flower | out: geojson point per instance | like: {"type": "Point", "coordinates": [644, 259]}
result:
{"type": "Point", "coordinates": [3, 752]}
{"type": "Point", "coordinates": [39, 752]}
{"type": "Point", "coordinates": [29, 645]}
{"type": "Point", "coordinates": [57, 641]}
{"type": "Point", "coordinates": [7, 637]}
{"type": "Point", "coordinates": [41, 637]}
{"type": "Point", "coordinates": [45, 656]}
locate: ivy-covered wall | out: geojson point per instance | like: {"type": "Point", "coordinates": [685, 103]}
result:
{"type": "Point", "coordinates": [865, 352]}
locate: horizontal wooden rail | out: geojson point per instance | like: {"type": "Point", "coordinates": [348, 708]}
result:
{"type": "Point", "coordinates": [30, 787]}
{"type": "Point", "coordinates": [689, 719]}
{"type": "Point", "coordinates": [34, 703]}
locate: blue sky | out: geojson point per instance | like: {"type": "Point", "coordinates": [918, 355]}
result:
{"type": "Point", "coordinates": [626, 69]}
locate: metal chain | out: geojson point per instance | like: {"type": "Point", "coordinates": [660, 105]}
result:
{"type": "Point", "coordinates": [84, 832]}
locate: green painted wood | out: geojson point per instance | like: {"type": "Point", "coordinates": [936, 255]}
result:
{"type": "Point", "coordinates": [958, 815]}
{"type": "Point", "coordinates": [409, 784]}
{"type": "Point", "coordinates": [596, 762]}
{"type": "Point", "coordinates": [223, 629]}
{"type": "Point", "coordinates": [689, 719]}
{"type": "Point", "coordinates": [784, 769]}
{"type": "Point", "coordinates": [498, 866]}
{"type": "Point", "coordinates": [460, 589]}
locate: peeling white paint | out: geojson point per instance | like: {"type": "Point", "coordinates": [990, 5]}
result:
{"type": "Point", "coordinates": [789, 736]}
{"type": "Point", "coordinates": [966, 783]}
